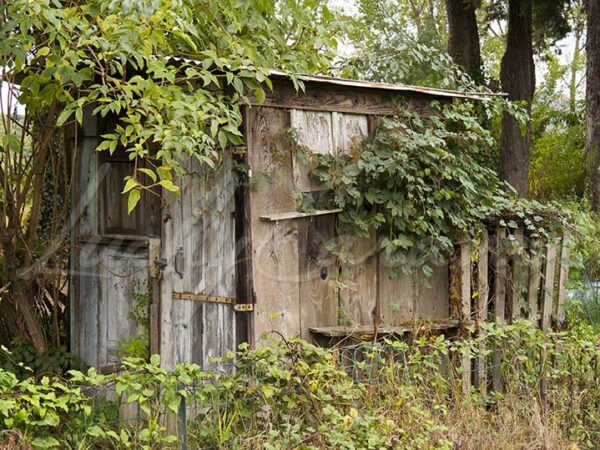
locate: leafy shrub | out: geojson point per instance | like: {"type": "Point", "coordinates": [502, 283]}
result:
{"type": "Point", "coordinates": [23, 360]}
{"type": "Point", "coordinates": [291, 394]}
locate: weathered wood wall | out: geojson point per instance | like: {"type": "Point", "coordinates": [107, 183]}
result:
{"type": "Point", "coordinates": [218, 244]}
{"type": "Point", "coordinates": [297, 284]}
{"type": "Point", "coordinates": [118, 257]}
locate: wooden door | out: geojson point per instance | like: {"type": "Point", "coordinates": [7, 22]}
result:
{"type": "Point", "coordinates": [197, 319]}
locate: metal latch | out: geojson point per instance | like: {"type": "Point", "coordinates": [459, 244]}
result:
{"type": "Point", "coordinates": [243, 307]}
{"type": "Point", "coordinates": [179, 262]}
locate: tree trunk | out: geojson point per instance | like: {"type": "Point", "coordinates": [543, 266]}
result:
{"type": "Point", "coordinates": [573, 81]}
{"type": "Point", "coordinates": [463, 36]}
{"type": "Point", "coordinates": [592, 99]}
{"type": "Point", "coordinates": [517, 75]}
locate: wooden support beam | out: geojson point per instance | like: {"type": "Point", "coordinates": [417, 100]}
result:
{"type": "Point", "coordinates": [465, 308]}
{"type": "Point", "coordinates": [482, 307]}
{"type": "Point", "coordinates": [499, 303]}
{"type": "Point", "coordinates": [535, 277]}
{"type": "Point", "coordinates": [517, 278]}
{"type": "Point", "coordinates": [549, 283]}
{"type": "Point", "coordinates": [154, 286]}
{"type": "Point", "coordinates": [565, 254]}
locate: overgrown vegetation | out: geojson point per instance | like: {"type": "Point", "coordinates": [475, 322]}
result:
{"type": "Point", "coordinates": [422, 181]}
{"type": "Point", "coordinates": [291, 394]}
{"type": "Point", "coordinates": [159, 67]}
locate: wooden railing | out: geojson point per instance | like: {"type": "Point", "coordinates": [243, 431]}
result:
{"type": "Point", "coordinates": [504, 276]}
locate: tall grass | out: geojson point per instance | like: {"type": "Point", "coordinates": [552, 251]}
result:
{"type": "Point", "coordinates": [386, 394]}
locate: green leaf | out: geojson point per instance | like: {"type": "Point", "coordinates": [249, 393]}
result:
{"type": "Point", "coordinates": [260, 95]}
{"type": "Point", "coordinates": [129, 185]}
{"type": "Point", "coordinates": [148, 172]}
{"type": "Point", "coordinates": [79, 116]}
{"type": "Point", "coordinates": [155, 360]}
{"type": "Point", "coordinates": [169, 186]}
{"type": "Point", "coordinates": [222, 139]}
{"type": "Point", "coordinates": [45, 442]}
{"type": "Point", "coordinates": [239, 85]}
{"type": "Point", "coordinates": [64, 115]}
{"type": "Point", "coordinates": [132, 200]}
{"type": "Point", "coordinates": [43, 51]}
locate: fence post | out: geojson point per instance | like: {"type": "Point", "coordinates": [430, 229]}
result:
{"type": "Point", "coordinates": [548, 300]}
{"type": "Point", "coordinates": [465, 307]}
{"type": "Point", "coordinates": [565, 254]}
{"type": "Point", "coordinates": [182, 419]}
{"type": "Point", "coordinates": [517, 277]}
{"type": "Point", "coordinates": [482, 308]}
{"type": "Point", "coordinates": [499, 303]}
{"type": "Point", "coordinates": [535, 277]}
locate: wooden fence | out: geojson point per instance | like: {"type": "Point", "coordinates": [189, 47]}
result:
{"type": "Point", "coordinates": [504, 276]}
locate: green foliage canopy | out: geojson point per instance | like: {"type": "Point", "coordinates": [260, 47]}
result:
{"type": "Point", "coordinates": [120, 57]}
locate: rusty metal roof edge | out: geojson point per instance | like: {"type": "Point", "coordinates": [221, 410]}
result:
{"type": "Point", "coordinates": [391, 87]}
{"type": "Point", "coordinates": [373, 84]}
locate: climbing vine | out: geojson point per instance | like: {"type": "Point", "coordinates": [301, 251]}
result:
{"type": "Point", "coordinates": [423, 179]}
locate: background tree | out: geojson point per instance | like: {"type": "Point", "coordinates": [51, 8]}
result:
{"type": "Point", "coordinates": [463, 36]}
{"type": "Point", "coordinates": [592, 136]}
{"type": "Point", "coordinates": [517, 76]}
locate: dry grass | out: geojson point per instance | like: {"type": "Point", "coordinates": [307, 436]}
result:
{"type": "Point", "coordinates": [513, 424]}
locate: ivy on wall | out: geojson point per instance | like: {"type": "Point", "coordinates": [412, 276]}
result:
{"type": "Point", "coordinates": [421, 181]}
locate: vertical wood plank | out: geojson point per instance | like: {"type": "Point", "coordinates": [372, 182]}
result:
{"type": "Point", "coordinates": [499, 303]}
{"type": "Point", "coordinates": [318, 299]}
{"type": "Point", "coordinates": [500, 282]}
{"type": "Point", "coordinates": [219, 254]}
{"type": "Point", "coordinates": [89, 282]}
{"type": "Point", "coordinates": [431, 297]}
{"type": "Point", "coordinates": [483, 286]}
{"type": "Point", "coordinates": [535, 277]}
{"type": "Point", "coordinates": [517, 278]}
{"type": "Point", "coordinates": [154, 288]}
{"type": "Point", "coordinates": [465, 280]}
{"type": "Point", "coordinates": [565, 254]}
{"type": "Point", "coordinates": [465, 307]}
{"type": "Point", "coordinates": [358, 281]}
{"type": "Point", "coordinates": [482, 307]}
{"type": "Point", "coordinates": [397, 294]}
{"type": "Point", "coordinates": [174, 337]}
{"type": "Point", "coordinates": [348, 130]}
{"type": "Point", "coordinates": [314, 130]}
{"type": "Point", "coordinates": [274, 245]}
{"type": "Point", "coordinates": [549, 271]}
{"type": "Point", "coordinates": [359, 290]}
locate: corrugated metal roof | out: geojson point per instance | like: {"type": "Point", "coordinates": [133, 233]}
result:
{"type": "Point", "coordinates": [390, 87]}
{"type": "Point", "coordinates": [373, 84]}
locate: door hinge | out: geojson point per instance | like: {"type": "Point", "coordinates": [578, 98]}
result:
{"type": "Point", "coordinates": [243, 307]}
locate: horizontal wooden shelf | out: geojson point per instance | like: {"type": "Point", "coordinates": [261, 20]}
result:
{"type": "Point", "coordinates": [298, 215]}
{"type": "Point", "coordinates": [368, 331]}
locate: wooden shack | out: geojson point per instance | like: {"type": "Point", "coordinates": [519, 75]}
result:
{"type": "Point", "coordinates": [225, 262]}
